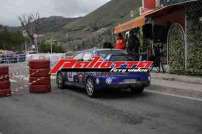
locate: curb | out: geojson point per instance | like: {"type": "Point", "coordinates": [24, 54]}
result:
{"type": "Point", "coordinates": [180, 78]}
{"type": "Point", "coordinates": [176, 91]}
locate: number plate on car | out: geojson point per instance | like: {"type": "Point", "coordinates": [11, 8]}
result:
{"type": "Point", "coordinates": [130, 81]}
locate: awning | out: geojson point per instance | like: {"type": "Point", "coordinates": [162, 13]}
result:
{"type": "Point", "coordinates": [140, 21]}
{"type": "Point", "coordinates": [129, 25]}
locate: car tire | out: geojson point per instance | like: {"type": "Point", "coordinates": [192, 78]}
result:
{"type": "Point", "coordinates": [137, 90]}
{"type": "Point", "coordinates": [60, 80]}
{"type": "Point", "coordinates": [90, 88]}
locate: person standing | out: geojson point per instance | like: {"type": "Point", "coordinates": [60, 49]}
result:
{"type": "Point", "coordinates": [133, 45]}
{"type": "Point", "coordinates": [120, 42]}
{"type": "Point", "coordinates": [157, 61]}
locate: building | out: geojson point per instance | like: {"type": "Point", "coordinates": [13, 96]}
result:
{"type": "Point", "coordinates": [177, 26]}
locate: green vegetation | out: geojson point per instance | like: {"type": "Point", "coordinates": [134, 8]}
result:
{"type": "Point", "coordinates": [53, 23]}
{"type": "Point", "coordinates": [11, 40]}
{"type": "Point", "coordinates": [194, 40]}
{"type": "Point", "coordinates": [45, 47]}
{"type": "Point", "coordinates": [110, 14]}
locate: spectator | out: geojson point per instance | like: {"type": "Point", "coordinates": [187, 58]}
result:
{"type": "Point", "coordinates": [120, 42]}
{"type": "Point", "coordinates": [158, 55]}
{"type": "Point", "coordinates": [108, 45]}
{"type": "Point", "coordinates": [133, 44]}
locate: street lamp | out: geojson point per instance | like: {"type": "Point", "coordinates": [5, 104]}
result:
{"type": "Point", "coordinates": [52, 45]}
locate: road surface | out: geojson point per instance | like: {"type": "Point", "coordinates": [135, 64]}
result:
{"type": "Point", "coordinates": [70, 111]}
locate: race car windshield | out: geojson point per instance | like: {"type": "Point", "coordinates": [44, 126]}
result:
{"type": "Point", "coordinates": [122, 58]}
{"type": "Point", "coordinates": [106, 53]}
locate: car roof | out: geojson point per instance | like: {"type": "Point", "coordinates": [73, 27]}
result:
{"type": "Point", "coordinates": [114, 52]}
{"type": "Point", "coordinates": [100, 49]}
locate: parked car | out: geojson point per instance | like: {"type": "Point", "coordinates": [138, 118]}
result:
{"type": "Point", "coordinates": [93, 82]}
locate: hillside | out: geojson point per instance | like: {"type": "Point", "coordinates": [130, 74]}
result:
{"type": "Point", "coordinates": [54, 23]}
{"type": "Point", "coordinates": [96, 27]}
{"type": "Point", "coordinates": [91, 30]}
{"type": "Point", "coordinates": [109, 14]}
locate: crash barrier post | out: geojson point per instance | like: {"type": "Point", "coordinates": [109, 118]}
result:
{"type": "Point", "coordinates": [39, 77]}
{"type": "Point", "coordinates": [5, 86]}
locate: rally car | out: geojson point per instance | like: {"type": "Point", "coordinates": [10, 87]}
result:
{"type": "Point", "coordinates": [93, 81]}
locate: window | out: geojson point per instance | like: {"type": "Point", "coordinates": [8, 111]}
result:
{"type": "Point", "coordinates": [79, 56]}
{"type": "Point", "coordinates": [87, 56]}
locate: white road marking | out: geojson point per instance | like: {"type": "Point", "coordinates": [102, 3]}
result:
{"type": "Point", "coordinates": [174, 95]}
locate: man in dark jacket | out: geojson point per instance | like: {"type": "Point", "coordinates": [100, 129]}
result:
{"type": "Point", "coordinates": [133, 45]}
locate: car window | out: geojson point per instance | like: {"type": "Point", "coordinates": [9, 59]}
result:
{"type": "Point", "coordinates": [79, 56]}
{"type": "Point", "coordinates": [87, 56]}
{"type": "Point", "coordinates": [105, 53]}
{"type": "Point", "coordinates": [122, 58]}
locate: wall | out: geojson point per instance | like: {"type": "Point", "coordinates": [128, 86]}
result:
{"type": "Point", "coordinates": [149, 4]}
{"type": "Point", "coordinates": [176, 15]}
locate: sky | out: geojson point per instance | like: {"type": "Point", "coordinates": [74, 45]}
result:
{"type": "Point", "coordinates": [11, 9]}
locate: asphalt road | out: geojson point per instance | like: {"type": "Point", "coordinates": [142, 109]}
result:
{"type": "Point", "coordinates": [72, 112]}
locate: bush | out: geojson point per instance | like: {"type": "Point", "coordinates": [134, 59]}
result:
{"type": "Point", "coordinates": [45, 47]}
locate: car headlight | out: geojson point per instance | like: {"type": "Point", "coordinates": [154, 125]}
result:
{"type": "Point", "coordinates": [108, 81]}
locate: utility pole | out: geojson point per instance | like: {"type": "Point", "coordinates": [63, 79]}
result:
{"type": "Point", "coordinates": [24, 33]}
{"type": "Point", "coordinates": [36, 42]}
{"type": "Point", "coordinates": [52, 41]}
{"type": "Point", "coordinates": [51, 46]}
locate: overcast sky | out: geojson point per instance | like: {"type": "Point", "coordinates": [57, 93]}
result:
{"type": "Point", "coordinates": [11, 9]}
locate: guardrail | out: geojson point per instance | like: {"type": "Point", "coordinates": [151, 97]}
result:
{"type": "Point", "coordinates": [7, 59]}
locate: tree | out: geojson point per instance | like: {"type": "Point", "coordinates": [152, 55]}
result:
{"type": "Point", "coordinates": [30, 24]}
{"type": "Point", "coordinates": [45, 47]}
{"type": "Point", "coordinates": [11, 40]}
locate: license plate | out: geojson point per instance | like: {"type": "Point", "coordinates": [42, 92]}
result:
{"type": "Point", "coordinates": [130, 81]}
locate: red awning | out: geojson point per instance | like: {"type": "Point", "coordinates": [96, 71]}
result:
{"type": "Point", "coordinates": [127, 26]}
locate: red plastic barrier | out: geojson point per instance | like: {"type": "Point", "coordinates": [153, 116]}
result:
{"type": "Point", "coordinates": [5, 88]}
{"type": "Point", "coordinates": [39, 72]}
{"type": "Point", "coordinates": [40, 81]}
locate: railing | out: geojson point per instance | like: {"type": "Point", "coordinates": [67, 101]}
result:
{"type": "Point", "coordinates": [7, 59]}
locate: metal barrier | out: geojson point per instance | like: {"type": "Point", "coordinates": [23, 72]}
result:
{"type": "Point", "coordinates": [7, 59]}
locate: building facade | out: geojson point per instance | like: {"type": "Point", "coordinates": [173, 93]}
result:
{"type": "Point", "coordinates": [177, 26]}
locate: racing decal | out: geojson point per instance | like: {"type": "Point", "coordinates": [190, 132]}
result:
{"type": "Point", "coordinates": [98, 64]}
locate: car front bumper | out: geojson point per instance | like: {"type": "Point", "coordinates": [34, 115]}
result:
{"type": "Point", "coordinates": [121, 85]}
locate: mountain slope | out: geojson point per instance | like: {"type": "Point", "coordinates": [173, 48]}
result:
{"type": "Point", "coordinates": [110, 14]}
{"type": "Point", "coordinates": [54, 23]}
{"type": "Point", "coordinates": [96, 28]}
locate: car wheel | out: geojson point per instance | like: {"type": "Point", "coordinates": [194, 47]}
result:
{"type": "Point", "coordinates": [137, 90]}
{"type": "Point", "coordinates": [90, 88]}
{"type": "Point", "coordinates": [60, 80]}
